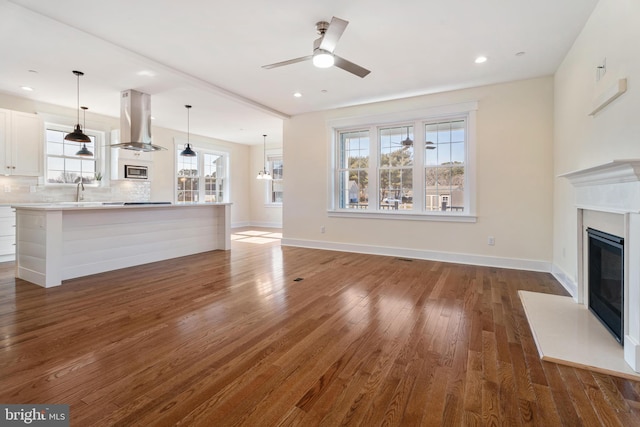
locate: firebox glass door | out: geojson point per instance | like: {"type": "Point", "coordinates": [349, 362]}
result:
{"type": "Point", "coordinates": [606, 280]}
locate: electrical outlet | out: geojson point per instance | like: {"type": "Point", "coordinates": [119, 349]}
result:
{"type": "Point", "coordinates": [491, 241]}
{"type": "Point", "coordinates": [7, 188]}
{"type": "Point", "coordinates": [322, 229]}
{"type": "Point", "coordinates": [32, 188]}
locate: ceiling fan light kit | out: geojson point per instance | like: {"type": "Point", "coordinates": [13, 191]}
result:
{"type": "Point", "coordinates": [323, 49]}
{"type": "Point", "coordinates": [323, 59]}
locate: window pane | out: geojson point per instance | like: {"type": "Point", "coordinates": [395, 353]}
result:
{"type": "Point", "coordinates": [444, 132]}
{"type": "Point", "coordinates": [444, 154]}
{"type": "Point", "coordinates": [355, 194]}
{"type": "Point", "coordinates": [55, 149]}
{"type": "Point", "coordinates": [431, 153]}
{"type": "Point", "coordinates": [396, 146]}
{"type": "Point", "coordinates": [444, 183]}
{"type": "Point", "coordinates": [353, 177]}
{"type": "Point", "coordinates": [457, 131]}
{"type": "Point", "coordinates": [354, 149]}
{"type": "Point", "coordinates": [63, 165]}
{"type": "Point", "coordinates": [396, 189]}
{"type": "Point", "coordinates": [277, 169]}
{"type": "Point", "coordinates": [457, 152]}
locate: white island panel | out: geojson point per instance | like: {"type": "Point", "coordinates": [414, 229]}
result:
{"type": "Point", "coordinates": [56, 244]}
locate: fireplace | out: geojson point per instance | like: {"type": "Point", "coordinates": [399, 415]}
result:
{"type": "Point", "coordinates": [611, 190]}
{"type": "Point", "coordinates": [605, 266]}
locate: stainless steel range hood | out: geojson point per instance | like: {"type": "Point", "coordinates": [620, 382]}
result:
{"type": "Point", "coordinates": [135, 122]}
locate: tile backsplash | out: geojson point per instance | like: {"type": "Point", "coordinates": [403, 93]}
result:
{"type": "Point", "coordinates": [26, 190]}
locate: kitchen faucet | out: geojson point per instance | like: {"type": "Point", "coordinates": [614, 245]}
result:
{"type": "Point", "coordinates": [79, 196]}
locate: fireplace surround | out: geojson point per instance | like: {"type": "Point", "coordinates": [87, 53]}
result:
{"type": "Point", "coordinates": [612, 191]}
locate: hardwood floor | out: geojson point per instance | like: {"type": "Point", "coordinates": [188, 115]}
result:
{"type": "Point", "coordinates": [231, 338]}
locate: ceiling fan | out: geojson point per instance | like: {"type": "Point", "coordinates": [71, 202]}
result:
{"type": "Point", "coordinates": [323, 47]}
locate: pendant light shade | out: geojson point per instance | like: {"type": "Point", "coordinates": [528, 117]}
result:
{"type": "Point", "coordinates": [188, 152]}
{"type": "Point", "coordinates": [84, 151]}
{"type": "Point", "coordinates": [77, 134]}
{"type": "Point", "coordinates": [264, 173]}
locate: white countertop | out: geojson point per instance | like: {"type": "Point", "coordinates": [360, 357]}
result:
{"type": "Point", "coordinates": [105, 206]}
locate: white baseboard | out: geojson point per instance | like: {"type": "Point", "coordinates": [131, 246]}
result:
{"type": "Point", "coordinates": [266, 224]}
{"type": "Point", "coordinates": [565, 280]}
{"type": "Point", "coordinates": [240, 224]}
{"type": "Point", "coordinates": [512, 263]}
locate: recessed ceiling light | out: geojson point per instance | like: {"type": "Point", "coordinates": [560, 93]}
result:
{"type": "Point", "coordinates": [324, 91]}
{"type": "Point", "coordinates": [297, 95]}
{"type": "Point", "coordinates": [146, 73]}
{"type": "Point", "coordinates": [481, 59]}
{"type": "Point", "coordinates": [27, 88]}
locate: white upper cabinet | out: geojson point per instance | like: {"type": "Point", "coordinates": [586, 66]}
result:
{"type": "Point", "coordinates": [21, 141]}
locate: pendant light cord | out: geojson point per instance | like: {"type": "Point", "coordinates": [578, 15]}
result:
{"type": "Point", "coordinates": [264, 150]}
{"type": "Point", "coordinates": [188, 125]}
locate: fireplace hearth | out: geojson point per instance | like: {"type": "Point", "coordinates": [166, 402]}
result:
{"type": "Point", "coordinates": [605, 266]}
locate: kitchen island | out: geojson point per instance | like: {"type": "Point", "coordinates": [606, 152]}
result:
{"type": "Point", "coordinates": [56, 242]}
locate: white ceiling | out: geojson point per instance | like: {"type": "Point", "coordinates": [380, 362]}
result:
{"type": "Point", "coordinates": [209, 53]}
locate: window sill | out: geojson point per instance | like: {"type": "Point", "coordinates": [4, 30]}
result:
{"type": "Point", "coordinates": [404, 216]}
{"type": "Point", "coordinates": [273, 205]}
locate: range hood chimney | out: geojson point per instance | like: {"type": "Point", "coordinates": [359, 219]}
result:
{"type": "Point", "coordinates": [135, 122]}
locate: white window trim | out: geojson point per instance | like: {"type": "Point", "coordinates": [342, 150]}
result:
{"type": "Point", "coordinates": [179, 144]}
{"type": "Point", "coordinates": [420, 117]}
{"type": "Point", "coordinates": [267, 192]}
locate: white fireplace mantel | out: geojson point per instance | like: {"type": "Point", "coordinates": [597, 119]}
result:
{"type": "Point", "coordinates": [610, 187]}
{"type": "Point", "coordinates": [614, 187]}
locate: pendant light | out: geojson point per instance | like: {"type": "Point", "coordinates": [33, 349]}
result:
{"type": "Point", "coordinates": [84, 151]}
{"type": "Point", "coordinates": [77, 134]}
{"type": "Point", "coordinates": [264, 174]}
{"type": "Point", "coordinates": [188, 152]}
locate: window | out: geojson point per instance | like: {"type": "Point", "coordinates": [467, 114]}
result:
{"type": "Point", "coordinates": [353, 169]}
{"type": "Point", "coordinates": [275, 184]}
{"type": "Point", "coordinates": [445, 165]}
{"type": "Point", "coordinates": [63, 165]}
{"type": "Point", "coordinates": [396, 168]}
{"type": "Point", "coordinates": [202, 177]}
{"type": "Point", "coordinates": [418, 168]}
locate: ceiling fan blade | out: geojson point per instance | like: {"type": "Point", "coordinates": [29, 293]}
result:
{"type": "Point", "coordinates": [350, 66]}
{"type": "Point", "coordinates": [333, 34]}
{"type": "Point", "coordinates": [291, 61]}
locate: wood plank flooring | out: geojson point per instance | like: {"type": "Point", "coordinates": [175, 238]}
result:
{"type": "Point", "coordinates": [230, 338]}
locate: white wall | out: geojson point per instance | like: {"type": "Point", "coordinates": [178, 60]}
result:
{"type": "Point", "coordinates": [581, 141]}
{"type": "Point", "coordinates": [514, 183]}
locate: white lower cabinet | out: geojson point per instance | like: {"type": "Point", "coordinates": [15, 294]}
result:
{"type": "Point", "coordinates": [7, 234]}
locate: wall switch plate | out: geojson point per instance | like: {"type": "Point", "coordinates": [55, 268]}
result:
{"type": "Point", "coordinates": [32, 188]}
{"type": "Point", "coordinates": [322, 229]}
{"type": "Point", "coordinates": [7, 188]}
{"type": "Point", "coordinates": [491, 241]}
